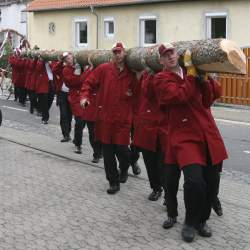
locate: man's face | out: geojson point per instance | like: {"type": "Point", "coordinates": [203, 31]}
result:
{"type": "Point", "coordinates": [170, 59]}
{"type": "Point", "coordinates": [69, 60]}
{"type": "Point", "coordinates": [119, 56]}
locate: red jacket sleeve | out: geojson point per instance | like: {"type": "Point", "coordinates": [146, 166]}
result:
{"type": "Point", "coordinates": [170, 91]}
{"type": "Point", "coordinates": [19, 63]}
{"type": "Point", "coordinates": [91, 82]}
{"type": "Point", "coordinates": [71, 80]}
{"type": "Point", "coordinates": [56, 68]}
{"type": "Point", "coordinates": [11, 60]}
{"type": "Point", "coordinates": [40, 66]}
{"type": "Point", "coordinates": [211, 90]}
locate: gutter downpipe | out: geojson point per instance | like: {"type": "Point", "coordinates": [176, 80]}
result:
{"type": "Point", "coordinates": [92, 10]}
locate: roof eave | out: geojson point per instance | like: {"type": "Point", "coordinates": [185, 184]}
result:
{"type": "Point", "coordinates": [102, 6]}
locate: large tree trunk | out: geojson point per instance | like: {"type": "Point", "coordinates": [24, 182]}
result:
{"type": "Point", "coordinates": [211, 55]}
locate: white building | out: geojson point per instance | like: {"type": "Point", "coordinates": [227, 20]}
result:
{"type": "Point", "coordinates": [13, 15]}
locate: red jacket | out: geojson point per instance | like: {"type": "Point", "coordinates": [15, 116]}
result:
{"type": "Point", "coordinates": [42, 80]}
{"type": "Point", "coordinates": [57, 70]}
{"type": "Point", "coordinates": [114, 102]}
{"type": "Point", "coordinates": [192, 132]}
{"type": "Point", "coordinates": [19, 71]}
{"type": "Point", "coordinates": [150, 123]}
{"type": "Point", "coordinates": [89, 114]}
{"type": "Point", "coordinates": [28, 69]}
{"type": "Point", "coordinates": [34, 75]}
{"type": "Point", "coordinates": [14, 69]}
{"type": "Point", "coordinates": [73, 82]}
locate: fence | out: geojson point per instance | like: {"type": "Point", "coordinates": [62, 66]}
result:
{"type": "Point", "coordinates": [236, 88]}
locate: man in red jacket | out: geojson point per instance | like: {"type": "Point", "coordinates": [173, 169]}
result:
{"type": "Point", "coordinates": [44, 88]}
{"type": "Point", "coordinates": [62, 92]}
{"type": "Point", "coordinates": [194, 144]}
{"type": "Point", "coordinates": [74, 79]}
{"type": "Point", "coordinates": [150, 125]}
{"type": "Point", "coordinates": [19, 77]}
{"type": "Point", "coordinates": [12, 62]}
{"type": "Point", "coordinates": [116, 85]}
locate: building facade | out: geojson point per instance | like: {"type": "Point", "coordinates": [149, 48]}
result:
{"type": "Point", "coordinates": [91, 24]}
{"type": "Point", "coordinates": [13, 15]}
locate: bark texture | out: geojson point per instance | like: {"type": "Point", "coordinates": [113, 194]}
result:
{"type": "Point", "coordinates": [210, 55]}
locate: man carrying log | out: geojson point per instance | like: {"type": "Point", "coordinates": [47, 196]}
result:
{"type": "Point", "coordinates": [194, 144]}
{"type": "Point", "coordinates": [44, 88]}
{"type": "Point", "coordinates": [150, 132]}
{"type": "Point", "coordinates": [62, 93]}
{"type": "Point", "coordinates": [74, 79]}
{"type": "Point", "coordinates": [116, 89]}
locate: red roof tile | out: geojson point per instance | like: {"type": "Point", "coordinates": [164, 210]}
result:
{"type": "Point", "coordinates": [39, 5]}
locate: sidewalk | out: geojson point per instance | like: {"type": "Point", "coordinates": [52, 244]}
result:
{"type": "Point", "coordinates": [230, 113]}
{"type": "Point", "coordinates": [127, 220]}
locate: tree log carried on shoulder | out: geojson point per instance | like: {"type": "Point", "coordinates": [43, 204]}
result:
{"type": "Point", "coordinates": [210, 55]}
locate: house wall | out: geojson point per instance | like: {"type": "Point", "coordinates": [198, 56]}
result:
{"type": "Point", "coordinates": [11, 18]}
{"type": "Point", "coordinates": [175, 21]}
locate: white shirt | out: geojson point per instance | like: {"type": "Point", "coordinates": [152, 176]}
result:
{"type": "Point", "coordinates": [49, 72]}
{"type": "Point", "coordinates": [65, 88]}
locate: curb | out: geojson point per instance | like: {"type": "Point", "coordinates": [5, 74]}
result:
{"type": "Point", "coordinates": [232, 106]}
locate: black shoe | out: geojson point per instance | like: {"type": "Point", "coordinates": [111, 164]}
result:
{"type": "Point", "coordinates": [114, 188]}
{"type": "Point", "coordinates": [123, 176]}
{"type": "Point", "coordinates": [95, 160]}
{"type": "Point", "coordinates": [155, 195]}
{"type": "Point", "coordinates": [188, 233]}
{"type": "Point", "coordinates": [44, 122]}
{"type": "Point", "coordinates": [136, 168]}
{"type": "Point", "coordinates": [169, 222]}
{"type": "Point", "coordinates": [204, 230]}
{"type": "Point", "coordinates": [218, 209]}
{"type": "Point", "coordinates": [78, 150]}
{"type": "Point", "coordinates": [65, 139]}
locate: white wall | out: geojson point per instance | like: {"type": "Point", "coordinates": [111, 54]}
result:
{"type": "Point", "coordinates": [11, 18]}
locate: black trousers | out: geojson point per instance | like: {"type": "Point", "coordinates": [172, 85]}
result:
{"type": "Point", "coordinates": [33, 100]}
{"type": "Point", "coordinates": [110, 152]}
{"type": "Point", "coordinates": [135, 151]}
{"type": "Point", "coordinates": [65, 113]}
{"type": "Point", "coordinates": [135, 154]}
{"type": "Point", "coordinates": [200, 187]}
{"type": "Point", "coordinates": [79, 127]}
{"type": "Point", "coordinates": [16, 93]}
{"type": "Point", "coordinates": [22, 94]}
{"type": "Point", "coordinates": [153, 162]}
{"type": "Point", "coordinates": [45, 101]}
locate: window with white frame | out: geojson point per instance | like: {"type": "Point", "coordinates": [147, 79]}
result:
{"type": "Point", "coordinates": [216, 25]}
{"type": "Point", "coordinates": [148, 30]}
{"type": "Point", "coordinates": [23, 16]}
{"type": "Point", "coordinates": [81, 32]}
{"type": "Point", "coordinates": [109, 27]}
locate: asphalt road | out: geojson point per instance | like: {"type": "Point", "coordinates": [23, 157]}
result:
{"type": "Point", "coordinates": [236, 135]}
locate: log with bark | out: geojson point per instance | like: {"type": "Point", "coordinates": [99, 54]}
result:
{"type": "Point", "coordinates": [210, 55]}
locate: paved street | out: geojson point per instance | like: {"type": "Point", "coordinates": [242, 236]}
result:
{"type": "Point", "coordinates": [52, 203]}
{"type": "Point", "coordinates": [57, 200]}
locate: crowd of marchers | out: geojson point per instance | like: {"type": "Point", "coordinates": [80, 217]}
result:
{"type": "Point", "coordinates": [165, 116]}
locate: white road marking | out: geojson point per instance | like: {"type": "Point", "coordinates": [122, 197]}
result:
{"type": "Point", "coordinates": [7, 107]}
{"type": "Point", "coordinates": [233, 122]}
{"type": "Point", "coordinates": [246, 151]}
